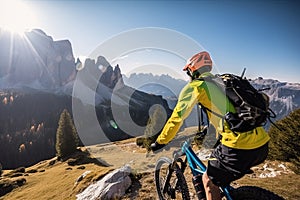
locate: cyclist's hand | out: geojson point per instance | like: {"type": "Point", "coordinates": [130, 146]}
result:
{"type": "Point", "coordinates": [156, 146]}
{"type": "Point", "coordinates": [200, 136]}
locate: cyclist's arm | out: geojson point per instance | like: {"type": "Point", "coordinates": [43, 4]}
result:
{"type": "Point", "coordinates": [187, 99]}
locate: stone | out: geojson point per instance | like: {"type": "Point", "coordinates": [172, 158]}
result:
{"type": "Point", "coordinates": [111, 186]}
{"type": "Point", "coordinates": [82, 176]}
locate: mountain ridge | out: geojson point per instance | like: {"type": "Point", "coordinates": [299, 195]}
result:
{"type": "Point", "coordinates": [284, 96]}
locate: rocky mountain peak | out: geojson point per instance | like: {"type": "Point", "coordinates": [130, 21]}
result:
{"type": "Point", "coordinates": [101, 61]}
{"type": "Point", "coordinates": [35, 60]}
{"type": "Point", "coordinates": [101, 69]}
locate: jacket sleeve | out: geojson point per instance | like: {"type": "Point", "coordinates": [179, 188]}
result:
{"type": "Point", "coordinates": [187, 99]}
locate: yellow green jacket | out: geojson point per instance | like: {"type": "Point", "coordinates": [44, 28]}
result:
{"type": "Point", "coordinates": [210, 96]}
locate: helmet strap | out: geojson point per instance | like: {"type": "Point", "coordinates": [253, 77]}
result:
{"type": "Point", "coordinates": [189, 73]}
{"type": "Point", "coordinates": [196, 74]}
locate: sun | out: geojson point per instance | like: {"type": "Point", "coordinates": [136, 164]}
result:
{"type": "Point", "coordinates": [16, 16]}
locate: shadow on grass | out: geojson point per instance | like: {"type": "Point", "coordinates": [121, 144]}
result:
{"type": "Point", "coordinates": [84, 157]}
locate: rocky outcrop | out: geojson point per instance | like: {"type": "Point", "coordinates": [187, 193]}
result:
{"type": "Point", "coordinates": [8, 184]}
{"type": "Point", "coordinates": [111, 186]}
{"type": "Point", "coordinates": [35, 60]}
{"type": "Point", "coordinates": [101, 71]}
{"type": "Point", "coordinates": [118, 107]}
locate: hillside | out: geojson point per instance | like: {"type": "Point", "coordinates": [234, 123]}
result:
{"type": "Point", "coordinates": [52, 181]}
{"type": "Point", "coordinates": [56, 180]}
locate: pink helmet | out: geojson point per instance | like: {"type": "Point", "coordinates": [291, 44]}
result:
{"type": "Point", "coordinates": [198, 61]}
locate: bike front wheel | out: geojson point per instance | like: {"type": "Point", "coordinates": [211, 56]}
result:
{"type": "Point", "coordinates": [253, 193]}
{"type": "Point", "coordinates": [170, 183]}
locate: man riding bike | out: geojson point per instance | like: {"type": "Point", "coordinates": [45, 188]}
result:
{"type": "Point", "coordinates": [237, 151]}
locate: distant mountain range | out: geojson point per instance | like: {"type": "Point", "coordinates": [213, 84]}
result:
{"type": "Point", "coordinates": [284, 97]}
{"type": "Point", "coordinates": [164, 85]}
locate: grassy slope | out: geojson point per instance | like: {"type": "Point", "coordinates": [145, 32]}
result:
{"type": "Point", "coordinates": [56, 182]}
{"type": "Point", "coordinates": [286, 185]}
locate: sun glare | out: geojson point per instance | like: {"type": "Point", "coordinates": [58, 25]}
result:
{"type": "Point", "coordinates": [16, 16]}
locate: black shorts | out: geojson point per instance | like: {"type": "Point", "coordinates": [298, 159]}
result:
{"type": "Point", "coordinates": [228, 164]}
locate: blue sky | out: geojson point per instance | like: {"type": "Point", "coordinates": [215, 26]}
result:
{"type": "Point", "coordinates": [263, 36]}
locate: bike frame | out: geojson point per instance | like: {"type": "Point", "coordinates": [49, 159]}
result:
{"type": "Point", "coordinates": [197, 167]}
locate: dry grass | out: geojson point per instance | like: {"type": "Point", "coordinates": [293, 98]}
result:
{"type": "Point", "coordinates": [55, 181]}
{"type": "Point", "coordinates": [58, 182]}
{"type": "Point", "coordinates": [285, 185]}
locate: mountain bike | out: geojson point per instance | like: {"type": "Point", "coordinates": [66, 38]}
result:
{"type": "Point", "coordinates": [171, 183]}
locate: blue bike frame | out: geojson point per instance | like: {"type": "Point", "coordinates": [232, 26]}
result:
{"type": "Point", "coordinates": [197, 167]}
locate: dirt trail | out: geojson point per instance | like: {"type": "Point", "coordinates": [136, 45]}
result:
{"type": "Point", "coordinates": [118, 154]}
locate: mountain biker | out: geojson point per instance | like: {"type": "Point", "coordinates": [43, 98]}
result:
{"type": "Point", "coordinates": [237, 152]}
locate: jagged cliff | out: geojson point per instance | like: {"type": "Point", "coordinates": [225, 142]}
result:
{"type": "Point", "coordinates": [35, 60]}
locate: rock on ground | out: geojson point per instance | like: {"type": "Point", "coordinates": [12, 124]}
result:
{"type": "Point", "coordinates": [112, 186]}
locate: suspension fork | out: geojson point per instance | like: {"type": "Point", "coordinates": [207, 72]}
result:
{"type": "Point", "coordinates": [169, 175]}
{"type": "Point", "coordinates": [171, 170]}
{"type": "Point", "coordinates": [183, 164]}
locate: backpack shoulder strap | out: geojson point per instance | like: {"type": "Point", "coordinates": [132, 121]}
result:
{"type": "Point", "coordinates": [207, 78]}
{"type": "Point", "coordinates": [205, 109]}
{"type": "Point", "coordinates": [213, 112]}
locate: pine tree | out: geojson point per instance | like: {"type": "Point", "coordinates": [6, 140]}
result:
{"type": "Point", "coordinates": [285, 143]}
{"type": "Point", "coordinates": [153, 128]}
{"type": "Point", "coordinates": [66, 136]}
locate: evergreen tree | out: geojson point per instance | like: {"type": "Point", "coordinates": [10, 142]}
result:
{"type": "Point", "coordinates": [285, 143]}
{"type": "Point", "coordinates": [66, 136]}
{"type": "Point", "coordinates": [153, 128]}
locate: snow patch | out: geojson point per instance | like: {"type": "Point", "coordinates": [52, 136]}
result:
{"type": "Point", "coordinates": [269, 171]}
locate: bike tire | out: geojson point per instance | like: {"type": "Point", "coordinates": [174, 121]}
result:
{"type": "Point", "coordinates": [253, 193]}
{"type": "Point", "coordinates": [179, 188]}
